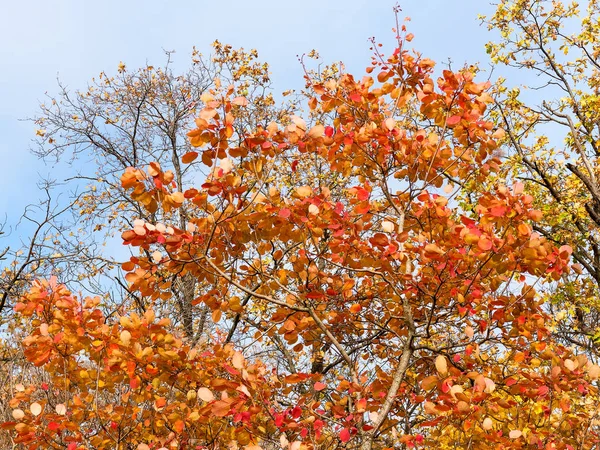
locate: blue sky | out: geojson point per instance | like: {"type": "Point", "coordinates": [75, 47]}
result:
{"type": "Point", "coordinates": [75, 40]}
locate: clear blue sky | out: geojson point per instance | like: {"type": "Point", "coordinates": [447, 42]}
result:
{"type": "Point", "coordinates": [75, 40]}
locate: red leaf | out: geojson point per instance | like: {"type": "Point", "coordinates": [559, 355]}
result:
{"type": "Point", "coordinates": [319, 386]}
{"type": "Point", "coordinates": [498, 211]}
{"type": "Point", "coordinates": [285, 213]}
{"type": "Point", "coordinates": [279, 420]}
{"type": "Point", "coordinates": [296, 412]}
{"type": "Point", "coordinates": [362, 194]}
{"type": "Point", "coordinates": [345, 435]}
{"type": "Point", "coordinates": [484, 244]}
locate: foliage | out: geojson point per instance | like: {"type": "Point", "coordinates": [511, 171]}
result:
{"type": "Point", "coordinates": [555, 142]}
{"type": "Point", "coordinates": [363, 296]}
{"type": "Point", "coordinates": [133, 118]}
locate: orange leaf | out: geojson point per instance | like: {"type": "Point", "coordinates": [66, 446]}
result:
{"type": "Point", "coordinates": [179, 425]}
{"type": "Point", "coordinates": [441, 364]}
{"type": "Point", "coordinates": [154, 169]}
{"type": "Point", "coordinates": [238, 360]}
{"type": "Point", "coordinates": [433, 248]}
{"type": "Point", "coordinates": [355, 308]}
{"type": "Point", "coordinates": [316, 132]}
{"type": "Point", "coordinates": [429, 383]}
{"type": "Point", "coordinates": [205, 395]}
{"type": "Point", "coordinates": [189, 157]}
{"type": "Point", "coordinates": [453, 120]}
{"type": "Point", "coordinates": [240, 101]}
{"type": "Point", "coordinates": [484, 244]}
{"type": "Point", "coordinates": [220, 408]}
{"type": "Point", "coordinates": [128, 266]}
{"type": "Point", "coordinates": [303, 191]}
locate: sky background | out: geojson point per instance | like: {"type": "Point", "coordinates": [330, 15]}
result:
{"type": "Point", "coordinates": [75, 40]}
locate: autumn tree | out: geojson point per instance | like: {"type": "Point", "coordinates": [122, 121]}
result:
{"type": "Point", "coordinates": [551, 118]}
{"type": "Point", "coordinates": [426, 307]}
{"type": "Point", "coordinates": [139, 116]}
{"type": "Point", "coordinates": [133, 117]}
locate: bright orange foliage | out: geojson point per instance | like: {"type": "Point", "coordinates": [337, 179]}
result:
{"type": "Point", "coordinates": [109, 381]}
{"type": "Point", "coordinates": [377, 309]}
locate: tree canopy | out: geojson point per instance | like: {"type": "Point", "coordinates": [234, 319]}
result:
{"type": "Point", "coordinates": [400, 259]}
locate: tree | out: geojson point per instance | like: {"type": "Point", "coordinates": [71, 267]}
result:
{"type": "Point", "coordinates": [554, 141]}
{"type": "Point", "coordinates": [131, 119]}
{"type": "Point", "coordinates": [425, 306]}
